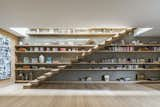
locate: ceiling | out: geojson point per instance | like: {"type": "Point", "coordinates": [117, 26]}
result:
{"type": "Point", "coordinates": [153, 33]}
{"type": "Point", "coordinates": [80, 13]}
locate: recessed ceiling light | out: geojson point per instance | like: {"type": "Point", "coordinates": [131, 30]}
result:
{"type": "Point", "coordinates": [141, 30]}
{"type": "Point", "coordinates": [21, 31]}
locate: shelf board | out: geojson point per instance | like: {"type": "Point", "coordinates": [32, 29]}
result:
{"type": "Point", "coordinates": [147, 45]}
{"type": "Point", "coordinates": [22, 81]}
{"type": "Point", "coordinates": [39, 64]}
{"type": "Point", "coordinates": [33, 69]}
{"type": "Point", "coordinates": [103, 82]}
{"type": "Point", "coordinates": [117, 64]}
{"type": "Point", "coordinates": [111, 69]}
{"type": "Point", "coordinates": [91, 64]}
{"type": "Point", "coordinates": [71, 34]}
{"type": "Point", "coordinates": [57, 46]}
{"type": "Point", "coordinates": [102, 51]}
{"type": "Point", "coordinates": [90, 69]}
{"type": "Point", "coordinates": [51, 52]}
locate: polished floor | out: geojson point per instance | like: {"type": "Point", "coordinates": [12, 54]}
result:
{"type": "Point", "coordinates": [113, 95]}
{"type": "Point", "coordinates": [98, 86]}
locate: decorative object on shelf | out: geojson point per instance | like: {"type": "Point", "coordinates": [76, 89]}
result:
{"type": "Point", "coordinates": [90, 42]}
{"type": "Point", "coordinates": [22, 49]}
{"type": "Point", "coordinates": [88, 78]}
{"type": "Point", "coordinates": [34, 60]}
{"type": "Point", "coordinates": [41, 49]}
{"type": "Point", "coordinates": [25, 60]}
{"type": "Point", "coordinates": [20, 76]}
{"type": "Point", "coordinates": [140, 76]}
{"type": "Point", "coordinates": [127, 79]}
{"type": "Point", "coordinates": [105, 77]}
{"type": "Point", "coordinates": [54, 49]}
{"type": "Point", "coordinates": [122, 42]}
{"type": "Point", "coordinates": [42, 68]}
{"type": "Point", "coordinates": [124, 79]}
{"type": "Point", "coordinates": [56, 62]}
{"type": "Point", "coordinates": [30, 76]}
{"type": "Point", "coordinates": [48, 49]}
{"type": "Point", "coordinates": [20, 43]}
{"type": "Point", "coordinates": [26, 67]}
{"type": "Point", "coordinates": [69, 50]}
{"type": "Point", "coordinates": [31, 49]}
{"type": "Point", "coordinates": [143, 49]}
{"type": "Point", "coordinates": [34, 67]}
{"type": "Point", "coordinates": [49, 60]}
{"type": "Point", "coordinates": [41, 59]}
{"type": "Point", "coordinates": [25, 76]}
{"type": "Point", "coordinates": [158, 59]}
{"type": "Point", "coordinates": [62, 49]}
{"type": "Point", "coordinates": [154, 78]}
{"type": "Point", "coordinates": [36, 49]}
{"type": "Point", "coordinates": [82, 79]}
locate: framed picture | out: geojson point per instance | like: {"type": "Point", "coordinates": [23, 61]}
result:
{"type": "Point", "coordinates": [5, 58]}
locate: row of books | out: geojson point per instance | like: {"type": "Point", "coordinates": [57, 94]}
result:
{"type": "Point", "coordinates": [27, 67]}
{"type": "Point", "coordinates": [131, 60]}
{"type": "Point", "coordinates": [72, 30]}
{"type": "Point", "coordinates": [125, 67]}
{"type": "Point", "coordinates": [130, 48]}
{"type": "Point", "coordinates": [50, 49]}
{"type": "Point", "coordinates": [35, 60]}
{"type": "Point", "coordinates": [25, 76]}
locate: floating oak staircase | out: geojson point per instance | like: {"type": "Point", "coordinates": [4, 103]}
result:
{"type": "Point", "coordinates": [40, 80]}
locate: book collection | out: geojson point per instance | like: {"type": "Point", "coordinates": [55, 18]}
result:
{"type": "Point", "coordinates": [46, 49]}
{"type": "Point", "coordinates": [74, 30]}
{"type": "Point", "coordinates": [115, 63]}
{"type": "Point", "coordinates": [130, 60]}
{"type": "Point", "coordinates": [125, 67]}
{"type": "Point", "coordinates": [25, 76]}
{"type": "Point", "coordinates": [132, 48]}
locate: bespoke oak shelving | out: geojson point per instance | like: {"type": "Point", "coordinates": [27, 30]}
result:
{"type": "Point", "coordinates": [75, 31]}
{"type": "Point", "coordinates": [48, 50]}
{"type": "Point", "coordinates": [144, 59]}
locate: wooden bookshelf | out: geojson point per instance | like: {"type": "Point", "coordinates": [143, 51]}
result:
{"type": "Point", "coordinates": [75, 31]}
{"type": "Point", "coordinates": [141, 64]}
{"type": "Point", "coordinates": [152, 66]}
{"type": "Point", "coordinates": [46, 66]}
